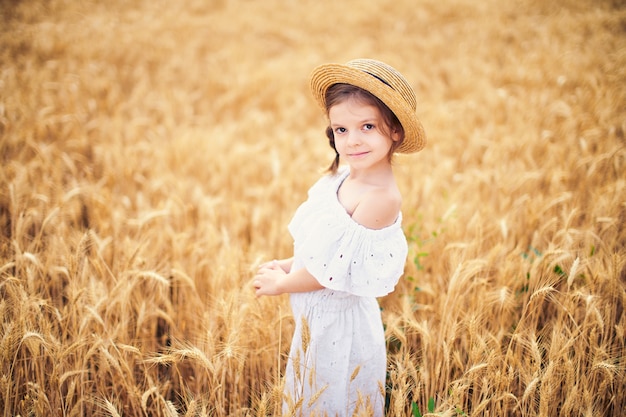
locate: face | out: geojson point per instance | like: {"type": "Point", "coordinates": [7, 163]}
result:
{"type": "Point", "coordinates": [361, 137]}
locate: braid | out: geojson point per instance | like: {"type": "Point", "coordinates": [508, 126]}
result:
{"type": "Point", "coordinates": [331, 141]}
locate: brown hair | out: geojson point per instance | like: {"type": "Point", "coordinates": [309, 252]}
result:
{"type": "Point", "coordinates": [338, 93]}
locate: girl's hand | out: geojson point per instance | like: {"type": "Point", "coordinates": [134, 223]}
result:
{"type": "Point", "coordinates": [284, 264]}
{"type": "Point", "coordinates": [266, 280]}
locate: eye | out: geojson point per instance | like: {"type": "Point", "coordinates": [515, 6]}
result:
{"type": "Point", "coordinates": [368, 126]}
{"type": "Point", "coordinates": [340, 130]}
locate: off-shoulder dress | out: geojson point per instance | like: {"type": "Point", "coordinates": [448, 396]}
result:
{"type": "Point", "coordinates": [337, 361]}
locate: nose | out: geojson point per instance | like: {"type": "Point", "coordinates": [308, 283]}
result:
{"type": "Point", "coordinates": [354, 138]}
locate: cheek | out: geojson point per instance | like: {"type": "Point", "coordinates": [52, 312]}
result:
{"type": "Point", "coordinates": [339, 143]}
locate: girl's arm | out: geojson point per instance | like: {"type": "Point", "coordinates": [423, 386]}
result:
{"type": "Point", "coordinates": [273, 280]}
{"type": "Point", "coordinates": [285, 264]}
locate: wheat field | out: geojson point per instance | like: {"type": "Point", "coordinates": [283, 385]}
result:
{"type": "Point", "coordinates": [153, 152]}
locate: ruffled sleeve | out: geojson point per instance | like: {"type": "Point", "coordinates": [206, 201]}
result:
{"type": "Point", "coordinates": [342, 254]}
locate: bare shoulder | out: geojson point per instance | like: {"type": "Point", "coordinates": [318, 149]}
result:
{"type": "Point", "coordinates": [378, 208]}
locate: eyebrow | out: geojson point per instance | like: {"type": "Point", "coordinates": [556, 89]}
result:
{"type": "Point", "coordinates": [364, 121]}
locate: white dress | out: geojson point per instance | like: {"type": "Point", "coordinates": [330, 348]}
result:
{"type": "Point", "coordinates": [337, 363]}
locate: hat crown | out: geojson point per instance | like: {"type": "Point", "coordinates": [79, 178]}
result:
{"type": "Point", "coordinates": [387, 75]}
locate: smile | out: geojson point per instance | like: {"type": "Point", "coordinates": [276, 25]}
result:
{"type": "Point", "coordinates": [357, 154]}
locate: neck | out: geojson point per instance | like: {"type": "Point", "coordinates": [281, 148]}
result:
{"type": "Point", "coordinates": [372, 175]}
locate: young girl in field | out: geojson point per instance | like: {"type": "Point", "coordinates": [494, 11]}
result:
{"type": "Point", "coordinates": [349, 247]}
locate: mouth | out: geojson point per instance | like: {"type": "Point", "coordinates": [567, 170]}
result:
{"type": "Point", "coordinates": [357, 154]}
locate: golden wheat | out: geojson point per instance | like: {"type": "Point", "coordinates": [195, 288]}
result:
{"type": "Point", "coordinates": [152, 154]}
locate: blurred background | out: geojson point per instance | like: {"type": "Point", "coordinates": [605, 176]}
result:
{"type": "Point", "coordinates": [153, 152]}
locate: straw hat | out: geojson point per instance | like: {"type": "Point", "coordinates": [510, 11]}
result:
{"type": "Point", "coordinates": [382, 81]}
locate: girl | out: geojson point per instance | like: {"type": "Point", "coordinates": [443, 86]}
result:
{"type": "Point", "coordinates": [349, 247]}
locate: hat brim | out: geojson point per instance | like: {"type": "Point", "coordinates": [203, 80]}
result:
{"type": "Point", "coordinates": [327, 75]}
